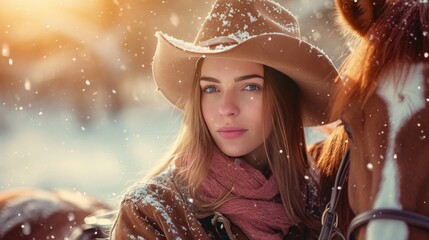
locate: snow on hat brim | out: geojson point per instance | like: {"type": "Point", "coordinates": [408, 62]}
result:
{"type": "Point", "coordinates": [174, 67]}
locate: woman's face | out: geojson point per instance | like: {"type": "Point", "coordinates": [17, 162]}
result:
{"type": "Point", "coordinates": [231, 104]}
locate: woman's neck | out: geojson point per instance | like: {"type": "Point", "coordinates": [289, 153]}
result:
{"type": "Point", "coordinates": [258, 159]}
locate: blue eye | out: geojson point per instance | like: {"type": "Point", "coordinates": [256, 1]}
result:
{"type": "Point", "coordinates": [209, 89]}
{"type": "Point", "coordinates": [251, 87]}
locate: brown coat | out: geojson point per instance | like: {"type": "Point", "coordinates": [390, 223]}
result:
{"type": "Point", "coordinates": [160, 209]}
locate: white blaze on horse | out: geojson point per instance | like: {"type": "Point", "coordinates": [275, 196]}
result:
{"type": "Point", "coordinates": [382, 101]}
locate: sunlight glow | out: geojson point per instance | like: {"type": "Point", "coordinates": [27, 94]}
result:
{"type": "Point", "coordinates": [27, 18]}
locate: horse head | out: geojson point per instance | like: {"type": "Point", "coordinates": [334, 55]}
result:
{"type": "Point", "coordinates": [382, 101]}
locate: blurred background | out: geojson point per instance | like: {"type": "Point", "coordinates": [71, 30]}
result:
{"type": "Point", "coordinates": [78, 107]}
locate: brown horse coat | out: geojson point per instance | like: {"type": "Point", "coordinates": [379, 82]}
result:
{"type": "Point", "coordinates": [41, 214]}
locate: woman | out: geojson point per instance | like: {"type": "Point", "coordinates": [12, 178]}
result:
{"type": "Point", "coordinates": [247, 87]}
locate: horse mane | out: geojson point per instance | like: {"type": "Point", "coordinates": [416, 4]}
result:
{"type": "Point", "coordinates": [398, 38]}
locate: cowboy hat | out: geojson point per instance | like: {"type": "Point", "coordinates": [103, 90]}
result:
{"type": "Point", "coordinates": [259, 31]}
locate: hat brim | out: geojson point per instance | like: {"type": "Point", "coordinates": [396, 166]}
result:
{"type": "Point", "coordinates": [174, 66]}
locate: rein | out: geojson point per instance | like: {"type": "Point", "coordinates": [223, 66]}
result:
{"type": "Point", "coordinates": [330, 217]}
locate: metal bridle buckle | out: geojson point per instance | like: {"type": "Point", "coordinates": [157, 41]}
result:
{"type": "Point", "coordinates": [324, 215]}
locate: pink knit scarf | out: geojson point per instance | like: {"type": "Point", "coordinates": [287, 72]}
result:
{"type": "Point", "coordinates": [255, 207]}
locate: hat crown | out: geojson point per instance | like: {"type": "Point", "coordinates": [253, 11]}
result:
{"type": "Point", "coordinates": [243, 19]}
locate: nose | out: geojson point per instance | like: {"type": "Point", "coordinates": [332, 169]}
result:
{"type": "Point", "coordinates": [228, 106]}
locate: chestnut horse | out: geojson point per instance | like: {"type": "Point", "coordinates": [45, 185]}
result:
{"type": "Point", "coordinates": [41, 214]}
{"type": "Point", "coordinates": [382, 101]}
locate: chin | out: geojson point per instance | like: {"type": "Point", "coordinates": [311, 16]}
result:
{"type": "Point", "coordinates": [232, 153]}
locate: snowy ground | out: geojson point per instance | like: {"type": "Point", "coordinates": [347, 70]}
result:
{"type": "Point", "coordinates": [51, 150]}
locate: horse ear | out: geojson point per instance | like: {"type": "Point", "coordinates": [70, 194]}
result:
{"type": "Point", "coordinates": [359, 15]}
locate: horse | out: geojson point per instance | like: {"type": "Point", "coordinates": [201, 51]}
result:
{"type": "Point", "coordinates": [382, 98]}
{"type": "Point", "coordinates": [32, 213]}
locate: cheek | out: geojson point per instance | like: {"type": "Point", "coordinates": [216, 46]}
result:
{"type": "Point", "coordinates": [354, 191]}
{"type": "Point", "coordinates": [208, 112]}
{"type": "Point", "coordinates": [258, 115]}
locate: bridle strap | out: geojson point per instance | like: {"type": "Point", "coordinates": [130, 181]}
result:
{"type": "Point", "coordinates": [414, 219]}
{"type": "Point", "coordinates": [329, 218]}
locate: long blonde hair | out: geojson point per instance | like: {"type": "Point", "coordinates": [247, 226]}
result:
{"type": "Point", "coordinates": [285, 147]}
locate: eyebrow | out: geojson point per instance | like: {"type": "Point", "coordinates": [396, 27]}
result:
{"type": "Point", "coordinates": [237, 79]}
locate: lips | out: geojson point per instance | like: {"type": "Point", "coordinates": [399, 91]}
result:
{"type": "Point", "coordinates": [230, 132]}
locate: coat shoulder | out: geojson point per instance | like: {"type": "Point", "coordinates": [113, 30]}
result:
{"type": "Point", "coordinates": [156, 209]}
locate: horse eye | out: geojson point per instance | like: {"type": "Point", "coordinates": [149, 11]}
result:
{"type": "Point", "coordinates": [348, 131]}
